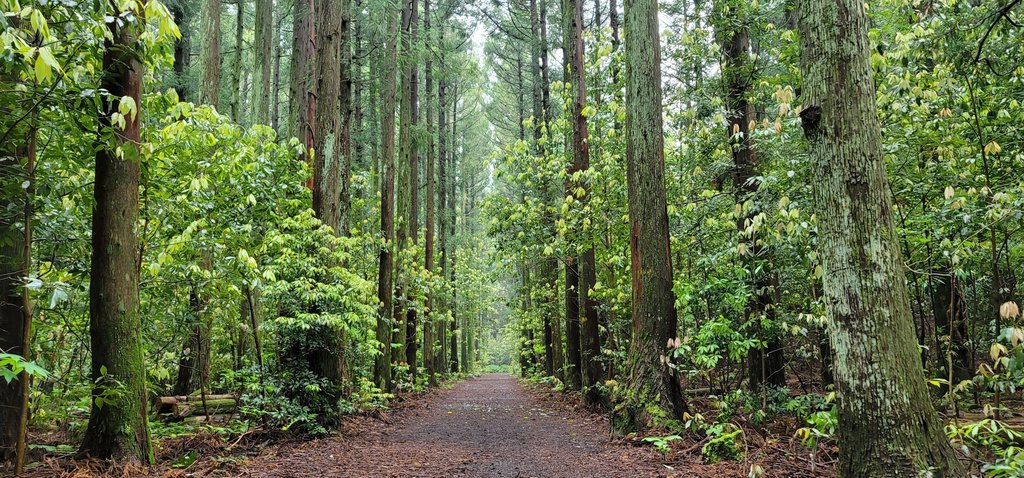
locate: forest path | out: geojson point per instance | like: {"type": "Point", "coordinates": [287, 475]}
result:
{"type": "Point", "coordinates": [488, 426]}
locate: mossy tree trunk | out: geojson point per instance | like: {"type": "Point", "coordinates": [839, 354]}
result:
{"type": "Point", "coordinates": [345, 107]}
{"type": "Point", "coordinates": [887, 424]}
{"type": "Point", "coordinates": [303, 98]}
{"type": "Point", "coordinates": [652, 390]}
{"type": "Point", "coordinates": [118, 426]}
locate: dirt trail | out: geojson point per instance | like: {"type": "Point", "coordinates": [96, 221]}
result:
{"type": "Point", "coordinates": [489, 426]}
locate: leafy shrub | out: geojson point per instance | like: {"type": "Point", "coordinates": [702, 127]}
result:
{"type": "Point", "coordinates": [997, 443]}
{"type": "Point", "coordinates": [661, 443]}
{"type": "Point", "coordinates": [822, 426]}
{"type": "Point", "coordinates": [288, 400]}
{"type": "Point", "coordinates": [318, 303]}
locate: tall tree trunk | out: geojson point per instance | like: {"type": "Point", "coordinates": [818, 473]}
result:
{"type": "Point", "coordinates": [385, 284]}
{"type": "Point", "coordinates": [264, 42]}
{"type": "Point", "coordinates": [303, 75]}
{"type": "Point", "coordinates": [520, 96]}
{"type": "Point", "coordinates": [236, 62]}
{"type": "Point", "coordinates": [327, 361]}
{"type": "Point", "coordinates": [118, 426]}
{"type": "Point", "coordinates": [571, 374]}
{"type": "Point", "coordinates": [442, 205]}
{"type": "Point", "coordinates": [275, 102]}
{"type": "Point", "coordinates": [211, 52]}
{"type": "Point", "coordinates": [525, 304]}
{"type": "Point", "coordinates": [550, 369]}
{"type": "Point", "coordinates": [613, 21]}
{"type": "Point", "coordinates": [545, 83]}
{"type": "Point", "coordinates": [553, 350]}
{"type": "Point", "coordinates": [590, 341]}
{"type": "Point", "coordinates": [360, 159]}
{"type": "Point", "coordinates": [428, 257]}
{"type": "Point", "coordinates": [535, 72]}
{"type": "Point", "coordinates": [590, 330]}
{"type": "Point", "coordinates": [327, 121]}
{"type": "Point", "coordinates": [466, 329]}
{"type": "Point", "coordinates": [887, 424]}
{"type": "Point", "coordinates": [453, 327]}
{"type": "Point", "coordinates": [17, 186]}
{"type": "Point", "coordinates": [649, 380]}
{"type": "Point", "coordinates": [359, 140]}
{"type": "Point", "coordinates": [345, 142]}
{"type": "Point", "coordinates": [412, 157]}
{"type": "Point", "coordinates": [345, 122]}
{"type": "Point", "coordinates": [765, 364]}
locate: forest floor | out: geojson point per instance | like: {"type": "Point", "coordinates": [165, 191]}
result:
{"type": "Point", "coordinates": [488, 426]}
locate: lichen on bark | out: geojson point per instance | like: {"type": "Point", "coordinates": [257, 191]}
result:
{"type": "Point", "coordinates": [887, 424]}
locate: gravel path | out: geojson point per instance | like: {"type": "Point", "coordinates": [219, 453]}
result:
{"type": "Point", "coordinates": [489, 426]}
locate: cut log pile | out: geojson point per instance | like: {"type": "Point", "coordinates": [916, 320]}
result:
{"type": "Point", "coordinates": [181, 406]}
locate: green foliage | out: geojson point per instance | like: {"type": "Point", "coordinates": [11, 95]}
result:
{"type": "Point", "coordinates": [771, 403]}
{"type": "Point", "coordinates": [12, 365]}
{"type": "Point", "coordinates": [993, 441]}
{"type": "Point", "coordinates": [289, 399]}
{"type": "Point", "coordinates": [661, 443]}
{"type": "Point", "coordinates": [822, 424]}
{"type": "Point", "coordinates": [1006, 372]}
{"type": "Point", "coordinates": [310, 287]}
{"type": "Point", "coordinates": [725, 442]}
{"type": "Point", "coordinates": [1008, 463]}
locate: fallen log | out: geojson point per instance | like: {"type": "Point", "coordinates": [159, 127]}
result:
{"type": "Point", "coordinates": [211, 407]}
{"type": "Point", "coordinates": [197, 419]}
{"type": "Point", "coordinates": [184, 406]}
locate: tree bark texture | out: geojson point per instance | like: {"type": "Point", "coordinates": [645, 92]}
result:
{"type": "Point", "coordinates": [118, 427]}
{"type": "Point", "coordinates": [211, 52]}
{"type": "Point", "coordinates": [652, 389]}
{"type": "Point", "coordinates": [887, 424]}
{"type": "Point", "coordinates": [385, 284]}
{"type": "Point", "coordinates": [264, 39]}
